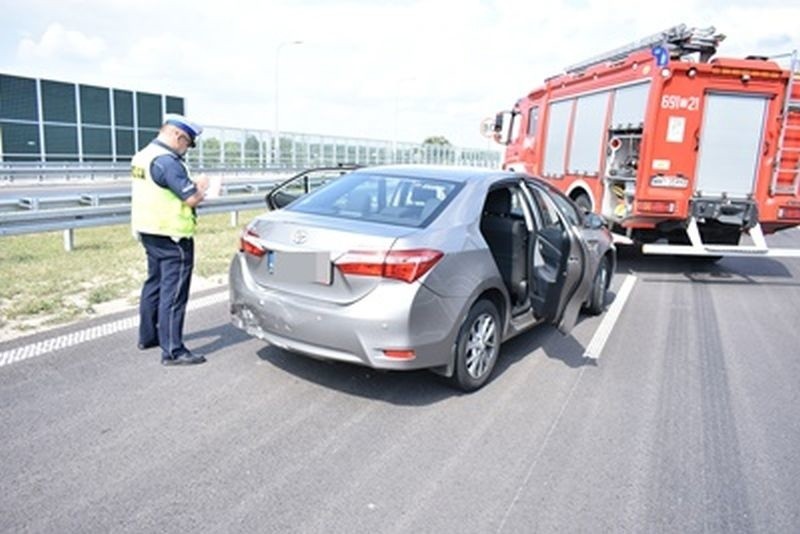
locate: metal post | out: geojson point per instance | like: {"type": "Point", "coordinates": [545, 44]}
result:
{"type": "Point", "coordinates": [69, 239]}
{"type": "Point", "coordinates": [79, 120]}
{"type": "Point", "coordinates": [242, 156]}
{"type": "Point", "coordinates": [40, 112]}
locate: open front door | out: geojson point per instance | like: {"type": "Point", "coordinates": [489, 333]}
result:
{"type": "Point", "coordinates": [556, 266]}
{"type": "Point", "coordinates": [303, 183]}
{"type": "Point", "coordinates": [550, 252]}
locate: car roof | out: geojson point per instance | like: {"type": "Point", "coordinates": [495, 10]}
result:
{"type": "Point", "coordinates": [443, 172]}
{"type": "Point", "coordinates": [454, 173]}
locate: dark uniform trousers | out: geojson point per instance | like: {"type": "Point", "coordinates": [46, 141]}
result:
{"type": "Point", "coordinates": [162, 307]}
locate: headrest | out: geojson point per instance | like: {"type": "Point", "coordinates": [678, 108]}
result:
{"type": "Point", "coordinates": [422, 194]}
{"type": "Point", "coordinates": [498, 202]}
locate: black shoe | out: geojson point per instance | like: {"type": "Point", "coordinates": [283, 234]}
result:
{"type": "Point", "coordinates": [187, 358]}
{"type": "Point", "coordinates": [145, 346]}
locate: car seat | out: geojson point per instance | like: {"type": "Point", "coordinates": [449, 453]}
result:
{"type": "Point", "coordinates": [507, 238]}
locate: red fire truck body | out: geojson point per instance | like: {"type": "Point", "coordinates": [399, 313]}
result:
{"type": "Point", "coordinates": [665, 142]}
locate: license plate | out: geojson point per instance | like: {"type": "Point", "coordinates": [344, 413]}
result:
{"type": "Point", "coordinates": [299, 267]}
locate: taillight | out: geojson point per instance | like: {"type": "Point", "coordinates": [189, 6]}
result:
{"type": "Point", "coordinates": [408, 265]}
{"type": "Point", "coordinates": [405, 265]}
{"type": "Point", "coordinates": [362, 262]}
{"type": "Point", "coordinates": [248, 245]}
{"type": "Point", "coordinates": [655, 206]}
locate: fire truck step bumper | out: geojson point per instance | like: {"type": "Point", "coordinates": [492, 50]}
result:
{"type": "Point", "coordinates": [720, 250]}
{"type": "Point", "coordinates": [698, 248]}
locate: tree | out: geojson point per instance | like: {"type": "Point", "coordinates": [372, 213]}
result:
{"type": "Point", "coordinates": [437, 140]}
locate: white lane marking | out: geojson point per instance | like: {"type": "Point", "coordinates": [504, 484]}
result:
{"type": "Point", "coordinates": [600, 337]}
{"type": "Point", "coordinates": [539, 452]}
{"type": "Point", "coordinates": [89, 334]}
{"type": "Point", "coordinates": [595, 347]}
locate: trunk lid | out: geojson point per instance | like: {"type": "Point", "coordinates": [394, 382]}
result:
{"type": "Point", "coordinates": [301, 251]}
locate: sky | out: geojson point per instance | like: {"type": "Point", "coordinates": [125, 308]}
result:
{"type": "Point", "coordinates": [392, 70]}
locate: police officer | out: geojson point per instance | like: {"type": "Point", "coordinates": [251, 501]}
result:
{"type": "Point", "coordinates": [163, 200]}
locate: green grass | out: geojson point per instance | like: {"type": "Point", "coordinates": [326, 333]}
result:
{"type": "Point", "coordinates": [40, 281]}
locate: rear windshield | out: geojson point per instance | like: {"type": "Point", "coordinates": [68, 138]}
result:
{"type": "Point", "coordinates": [396, 200]}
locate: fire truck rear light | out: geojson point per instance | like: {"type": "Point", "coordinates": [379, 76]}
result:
{"type": "Point", "coordinates": [399, 354]}
{"type": "Point", "coordinates": [655, 206]}
{"type": "Point", "coordinates": [789, 212]}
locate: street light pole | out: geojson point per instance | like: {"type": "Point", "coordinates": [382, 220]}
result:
{"type": "Point", "coordinates": [277, 90]}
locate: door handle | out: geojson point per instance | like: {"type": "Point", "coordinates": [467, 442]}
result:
{"type": "Point", "coordinates": [573, 259]}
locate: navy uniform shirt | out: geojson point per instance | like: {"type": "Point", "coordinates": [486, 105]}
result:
{"type": "Point", "coordinates": [168, 171]}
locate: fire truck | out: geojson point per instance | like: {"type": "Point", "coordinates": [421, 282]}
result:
{"type": "Point", "coordinates": [677, 149]}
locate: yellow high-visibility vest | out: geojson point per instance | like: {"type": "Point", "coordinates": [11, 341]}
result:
{"type": "Point", "coordinates": [155, 209]}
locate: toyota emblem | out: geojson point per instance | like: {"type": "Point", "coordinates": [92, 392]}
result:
{"type": "Point", "coordinates": [299, 237]}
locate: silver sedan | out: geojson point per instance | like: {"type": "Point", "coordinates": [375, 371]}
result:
{"type": "Point", "coordinates": [409, 267]}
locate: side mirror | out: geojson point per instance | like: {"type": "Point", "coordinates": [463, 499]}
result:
{"type": "Point", "coordinates": [593, 221]}
{"type": "Point", "coordinates": [499, 128]}
{"type": "Point", "coordinates": [498, 122]}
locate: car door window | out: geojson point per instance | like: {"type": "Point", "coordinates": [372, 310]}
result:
{"type": "Point", "coordinates": [548, 250]}
{"type": "Point", "coordinates": [548, 211]}
{"type": "Point", "coordinates": [533, 121]}
{"type": "Point", "coordinates": [301, 184]}
{"type": "Point", "coordinates": [568, 209]}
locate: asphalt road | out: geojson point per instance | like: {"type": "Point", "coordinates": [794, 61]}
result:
{"type": "Point", "coordinates": [688, 422]}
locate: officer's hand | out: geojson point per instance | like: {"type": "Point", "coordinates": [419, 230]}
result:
{"type": "Point", "coordinates": [201, 181]}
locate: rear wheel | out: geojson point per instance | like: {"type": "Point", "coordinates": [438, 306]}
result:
{"type": "Point", "coordinates": [477, 346]}
{"type": "Point", "coordinates": [597, 301]}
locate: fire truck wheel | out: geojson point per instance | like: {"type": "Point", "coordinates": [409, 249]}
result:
{"type": "Point", "coordinates": [597, 300]}
{"type": "Point", "coordinates": [477, 346]}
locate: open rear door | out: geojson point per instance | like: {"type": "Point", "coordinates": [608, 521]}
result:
{"type": "Point", "coordinates": [557, 264]}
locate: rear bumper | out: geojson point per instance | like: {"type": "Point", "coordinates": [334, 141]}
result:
{"type": "Point", "coordinates": [395, 315]}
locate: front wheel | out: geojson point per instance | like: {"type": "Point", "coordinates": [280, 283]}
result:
{"type": "Point", "coordinates": [597, 301]}
{"type": "Point", "coordinates": [477, 346]}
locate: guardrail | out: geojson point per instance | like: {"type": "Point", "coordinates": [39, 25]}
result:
{"type": "Point", "coordinates": [12, 173]}
{"type": "Point", "coordinates": [77, 200]}
{"type": "Point", "coordinates": [30, 215]}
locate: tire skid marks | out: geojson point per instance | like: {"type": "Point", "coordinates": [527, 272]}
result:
{"type": "Point", "coordinates": [676, 436]}
{"type": "Point", "coordinates": [698, 468]}
{"type": "Point", "coordinates": [721, 451]}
